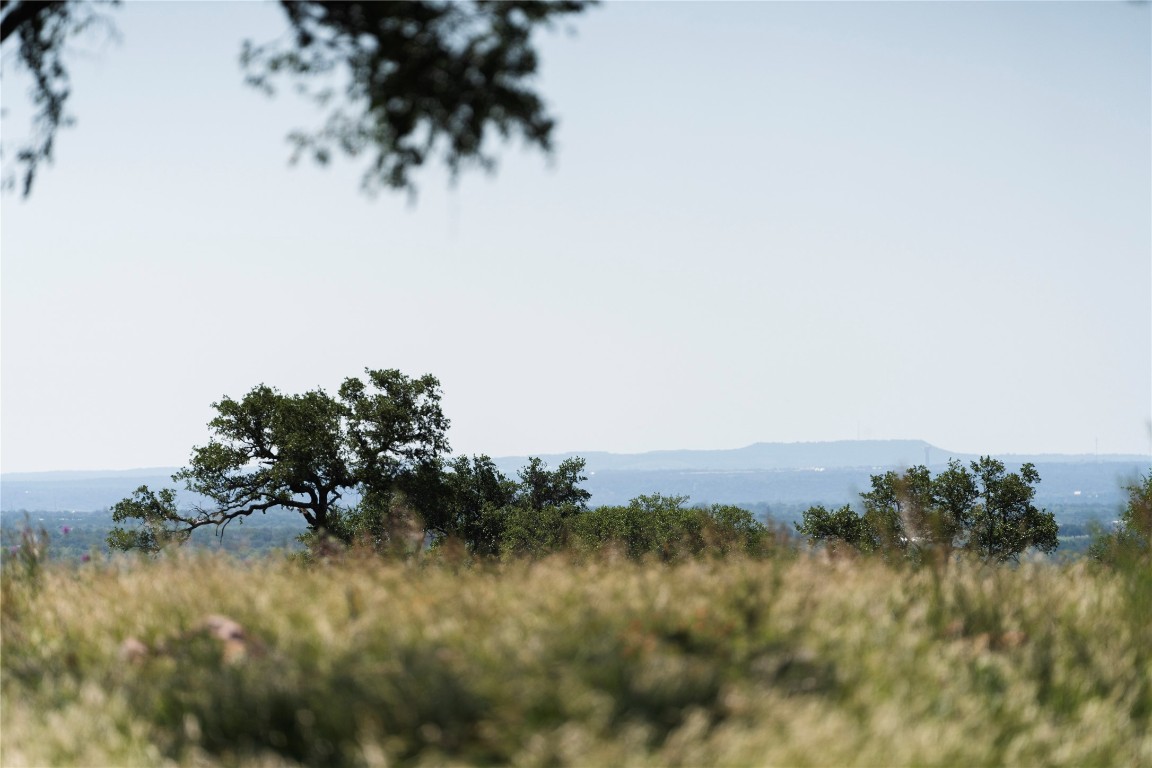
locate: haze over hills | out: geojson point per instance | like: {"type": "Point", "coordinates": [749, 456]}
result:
{"type": "Point", "coordinates": [773, 473]}
{"type": "Point", "coordinates": [835, 454]}
{"type": "Point", "coordinates": [758, 456]}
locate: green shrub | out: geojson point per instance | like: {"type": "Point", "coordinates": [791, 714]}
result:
{"type": "Point", "coordinates": [666, 527]}
{"type": "Point", "coordinates": [533, 533]}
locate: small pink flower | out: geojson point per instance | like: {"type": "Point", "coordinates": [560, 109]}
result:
{"type": "Point", "coordinates": [65, 529]}
{"type": "Point", "coordinates": [85, 558]}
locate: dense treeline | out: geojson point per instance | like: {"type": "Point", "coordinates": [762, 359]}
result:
{"type": "Point", "coordinates": [381, 441]}
{"type": "Point", "coordinates": [77, 535]}
{"type": "Point", "coordinates": [479, 509]}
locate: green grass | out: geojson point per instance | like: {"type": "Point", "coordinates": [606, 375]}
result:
{"type": "Point", "coordinates": [792, 661]}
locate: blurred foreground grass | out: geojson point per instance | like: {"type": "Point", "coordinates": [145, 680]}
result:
{"type": "Point", "coordinates": [204, 660]}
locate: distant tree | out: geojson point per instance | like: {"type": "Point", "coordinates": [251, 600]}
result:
{"type": "Point", "coordinates": [421, 77]}
{"type": "Point", "coordinates": [731, 529]}
{"type": "Point", "coordinates": [914, 511]}
{"type": "Point", "coordinates": [1007, 523]}
{"type": "Point", "coordinates": [473, 500]}
{"type": "Point", "coordinates": [540, 487]}
{"type": "Point", "coordinates": [892, 507]}
{"type": "Point", "coordinates": [301, 453]}
{"type": "Point", "coordinates": [547, 501]}
{"type": "Point", "coordinates": [493, 514]}
{"type": "Point", "coordinates": [1129, 542]}
{"type": "Point", "coordinates": [983, 510]}
{"type": "Point", "coordinates": [949, 516]}
{"type": "Point", "coordinates": [837, 527]}
{"type": "Point", "coordinates": [532, 533]}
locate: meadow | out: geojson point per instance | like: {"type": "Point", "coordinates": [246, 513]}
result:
{"type": "Point", "coordinates": [792, 659]}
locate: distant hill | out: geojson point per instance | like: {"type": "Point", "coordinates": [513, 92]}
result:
{"type": "Point", "coordinates": [844, 453]}
{"type": "Point", "coordinates": [85, 475]}
{"type": "Point", "coordinates": [837, 454]}
{"type": "Point", "coordinates": [1062, 483]}
{"type": "Point", "coordinates": [773, 473]}
{"type": "Point", "coordinates": [85, 491]}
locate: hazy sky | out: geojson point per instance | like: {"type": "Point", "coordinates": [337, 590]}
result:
{"type": "Point", "coordinates": [763, 222]}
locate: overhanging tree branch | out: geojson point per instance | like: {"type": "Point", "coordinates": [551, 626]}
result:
{"type": "Point", "coordinates": [422, 77]}
{"type": "Point", "coordinates": [20, 12]}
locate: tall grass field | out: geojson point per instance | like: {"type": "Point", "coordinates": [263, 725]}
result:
{"type": "Point", "coordinates": [794, 660]}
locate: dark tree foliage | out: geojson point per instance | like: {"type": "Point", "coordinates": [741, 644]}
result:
{"type": "Point", "coordinates": [303, 453]}
{"type": "Point", "coordinates": [982, 510]}
{"type": "Point", "coordinates": [492, 514]}
{"type": "Point", "coordinates": [540, 488]}
{"type": "Point", "coordinates": [954, 494]}
{"type": "Point", "coordinates": [418, 78]}
{"type": "Point", "coordinates": [837, 527]}
{"type": "Point", "coordinates": [1007, 522]}
{"type": "Point", "coordinates": [473, 498]}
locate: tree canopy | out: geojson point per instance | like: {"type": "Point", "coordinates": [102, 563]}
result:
{"type": "Point", "coordinates": [982, 509]}
{"type": "Point", "coordinates": [367, 467]}
{"type": "Point", "coordinates": [420, 77]}
{"type": "Point", "coordinates": [299, 452]}
{"type": "Point", "coordinates": [381, 441]}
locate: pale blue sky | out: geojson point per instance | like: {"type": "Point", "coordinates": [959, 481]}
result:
{"type": "Point", "coordinates": [763, 222]}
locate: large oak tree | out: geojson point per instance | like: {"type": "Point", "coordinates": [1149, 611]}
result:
{"type": "Point", "coordinates": [301, 453]}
